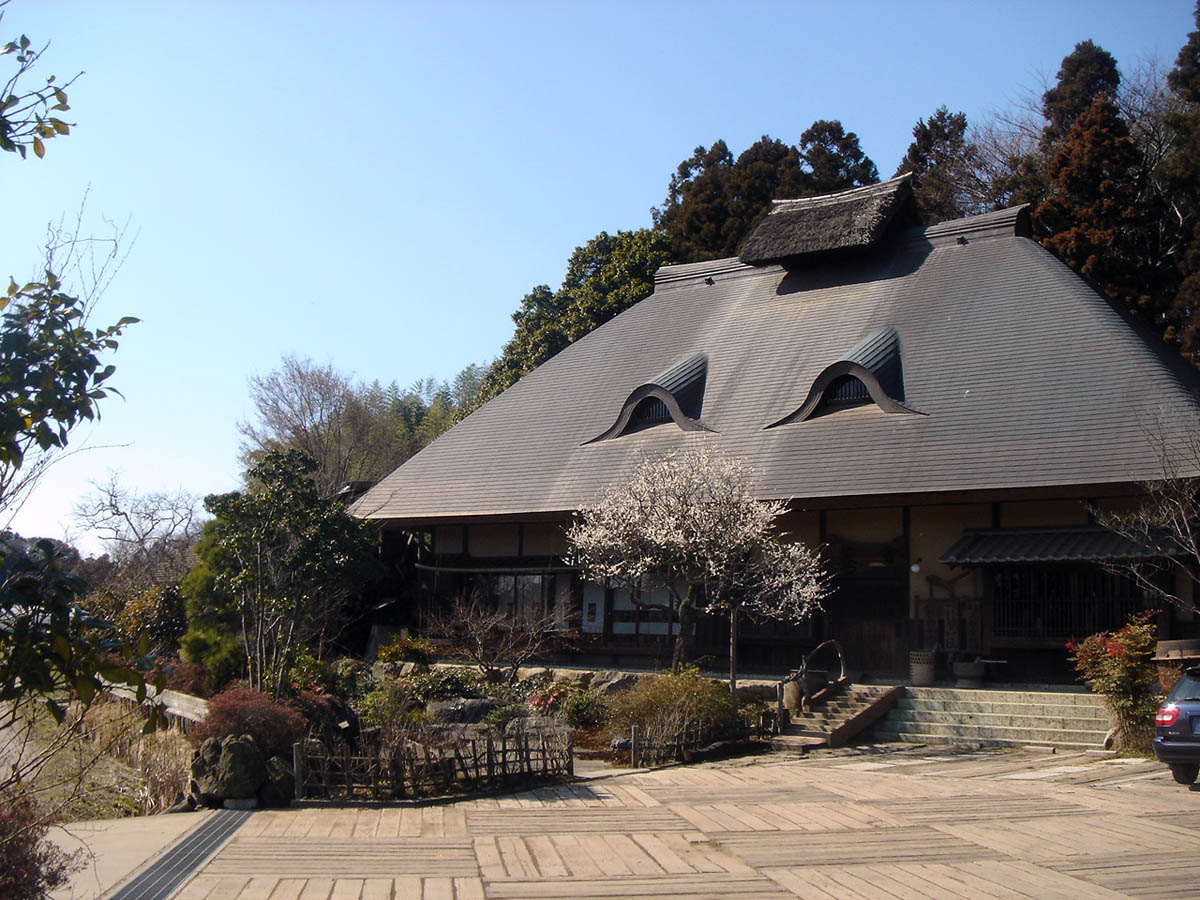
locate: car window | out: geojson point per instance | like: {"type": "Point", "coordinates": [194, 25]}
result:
{"type": "Point", "coordinates": [1188, 687]}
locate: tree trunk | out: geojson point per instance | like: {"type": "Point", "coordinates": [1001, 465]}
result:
{"type": "Point", "coordinates": [685, 639]}
{"type": "Point", "coordinates": [733, 641]}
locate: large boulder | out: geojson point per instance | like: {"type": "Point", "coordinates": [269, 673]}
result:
{"type": "Point", "coordinates": [461, 710]}
{"type": "Point", "coordinates": [546, 725]}
{"type": "Point", "coordinates": [607, 682]}
{"type": "Point", "coordinates": [228, 769]}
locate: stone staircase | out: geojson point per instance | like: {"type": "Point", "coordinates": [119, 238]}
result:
{"type": "Point", "coordinates": [1020, 716]}
{"type": "Point", "coordinates": [833, 721]}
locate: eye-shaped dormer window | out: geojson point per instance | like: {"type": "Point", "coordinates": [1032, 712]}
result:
{"type": "Point", "coordinates": [676, 395]}
{"type": "Point", "coordinates": [870, 372]}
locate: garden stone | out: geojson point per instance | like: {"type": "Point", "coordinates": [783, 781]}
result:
{"type": "Point", "coordinates": [280, 786]}
{"type": "Point", "coordinates": [534, 725]}
{"type": "Point", "coordinates": [461, 710]}
{"type": "Point", "coordinates": [608, 682]}
{"type": "Point", "coordinates": [232, 768]}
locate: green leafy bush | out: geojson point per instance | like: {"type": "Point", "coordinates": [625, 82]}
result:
{"type": "Point", "coordinates": [669, 708]}
{"type": "Point", "coordinates": [407, 649]}
{"type": "Point", "coordinates": [390, 703]}
{"type": "Point", "coordinates": [1119, 666]}
{"type": "Point", "coordinates": [237, 711]}
{"type": "Point", "coordinates": [443, 684]}
{"type": "Point", "coordinates": [583, 709]}
{"type": "Point", "coordinates": [499, 717]}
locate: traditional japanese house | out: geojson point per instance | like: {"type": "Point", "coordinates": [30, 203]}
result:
{"type": "Point", "coordinates": [944, 407]}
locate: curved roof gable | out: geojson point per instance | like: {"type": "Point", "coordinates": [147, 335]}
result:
{"type": "Point", "coordinates": [676, 395]}
{"type": "Point", "coordinates": [874, 364]}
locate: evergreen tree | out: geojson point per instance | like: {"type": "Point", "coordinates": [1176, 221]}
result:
{"type": "Point", "coordinates": [604, 277]}
{"type": "Point", "coordinates": [1091, 210]}
{"type": "Point", "coordinates": [832, 160]}
{"type": "Point", "coordinates": [1085, 74]}
{"type": "Point", "coordinates": [944, 165]}
{"type": "Point", "coordinates": [1182, 174]}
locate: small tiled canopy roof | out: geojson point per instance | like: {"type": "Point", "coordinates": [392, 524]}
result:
{"type": "Point", "coordinates": [1004, 546]}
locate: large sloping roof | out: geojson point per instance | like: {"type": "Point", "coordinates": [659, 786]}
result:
{"type": "Point", "coordinates": [1024, 375]}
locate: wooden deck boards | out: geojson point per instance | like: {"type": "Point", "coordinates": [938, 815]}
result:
{"type": "Point", "coordinates": [898, 826]}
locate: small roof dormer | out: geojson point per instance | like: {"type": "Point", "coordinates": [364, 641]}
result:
{"type": "Point", "coordinates": [676, 395]}
{"type": "Point", "coordinates": [829, 224]}
{"type": "Point", "coordinates": [870, 372]}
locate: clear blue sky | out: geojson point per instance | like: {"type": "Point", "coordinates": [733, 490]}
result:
{"type": "Point", "coordinates": [377, 185]}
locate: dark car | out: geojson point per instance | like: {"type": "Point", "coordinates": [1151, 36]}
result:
{"type": "Point", "coordinates": [1177, 728]}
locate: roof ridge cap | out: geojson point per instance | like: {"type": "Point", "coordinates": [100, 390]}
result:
{"type": "Point", "coordinates": [689, 271]}
{"type": "Point", "coordinates": [838, 196]}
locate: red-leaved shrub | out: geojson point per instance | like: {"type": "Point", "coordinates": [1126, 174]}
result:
{"type": "Point", "coordinates": [30, 865]}
{"type": "Point", "coordinates": [240, 710]}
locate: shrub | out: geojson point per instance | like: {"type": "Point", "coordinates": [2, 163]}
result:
{"type": "Point", "coordinates": [30, 865]}
{"type": "Point", "coordinates": [442, 684]}
{"type": "Point", "coordinates": [499, 717]}
{"type": "Point", "coordinates": [584, 709]}
{"type": "Point", "coordinates": [406, 649]}
{"type": "Point", "coordinates": [1119, 666]}
{"type": "Point", "coordinates": [673, 707]}
{"type": "Point", "coordinates": [241, 710]}
{"type": "Point", "coordinates": [220, 655]}
{"type": "Point", "coordinates": [390, 703]}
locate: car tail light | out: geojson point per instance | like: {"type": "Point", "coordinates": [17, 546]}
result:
{"type": "Point", "coordinates": [1167, 715]}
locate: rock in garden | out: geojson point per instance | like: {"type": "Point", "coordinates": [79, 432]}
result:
{"type": "Point", "coordinates": [232, 768]}
{"type": "Point", "coordinates": [461, 709]}
{"type": "Point", "coordinates": [280, 786]}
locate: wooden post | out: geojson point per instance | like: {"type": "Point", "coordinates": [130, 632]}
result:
{"type": "Point", "coordinates": [491, 760]}
{"type": "Point", "coordinates": [298, 769]}
{"type": "Point", "coordinates": [571, 753]}
{"type": "Point", "coordinates": [633, 746]}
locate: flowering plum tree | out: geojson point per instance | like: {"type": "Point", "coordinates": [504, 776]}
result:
{"type": "Point", "coordinates": [688, 521]}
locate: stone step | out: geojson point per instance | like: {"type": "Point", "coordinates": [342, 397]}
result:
{"type": "Point", "coordinates": [914, 737]}
{"type": "Point", "coordinates": [983, 733]}
{"type": "Point", "coordinates": [1063, 698]}
{"type": "Point", "coordinates": [963, 707]}
{"type": "Point", "coordinates": [1046, 719]}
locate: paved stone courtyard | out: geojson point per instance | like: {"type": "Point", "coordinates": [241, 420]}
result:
{"type": "Point", "coordinates": [860, 824]}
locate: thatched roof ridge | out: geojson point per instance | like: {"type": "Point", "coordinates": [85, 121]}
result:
{"type": "Point", "coordinates": [848, 220]}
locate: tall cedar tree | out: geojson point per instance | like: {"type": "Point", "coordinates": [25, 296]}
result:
{"type": "Point", "coordinates": [1086, 73]}
{"type": "Point", "coordinates": [1183, 176]}
{"type": "Point", "coordinates": [943, 164]}
{"type": "Point", "coordinates": [714, 202]}
{"type": "Point", "coordinates": [1092, 206]}
{"type": "Point", "coordinates": [832, 159]}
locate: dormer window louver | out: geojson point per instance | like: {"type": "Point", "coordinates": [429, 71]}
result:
{"type": "Point", "coordinates": [870, 372]}
{"type": "Point", "coordinates": [676, 395]}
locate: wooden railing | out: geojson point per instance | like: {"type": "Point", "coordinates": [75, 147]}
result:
{"type": "Point", "coordinates": [800, 676]}
{"type": "Point", "coordinates": [426, 763]}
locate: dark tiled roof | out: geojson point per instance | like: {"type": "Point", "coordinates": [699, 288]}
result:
{"type": "Point", "coordinates": [1026, 376]}
{"type": "Point", "coordinates": [849, 220]}
{"type": "Point", "coordinates": [982, 547]}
